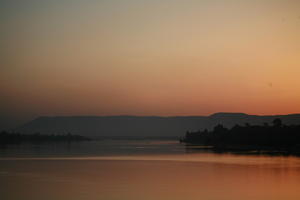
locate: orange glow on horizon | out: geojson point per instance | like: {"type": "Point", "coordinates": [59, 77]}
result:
{"type": "Point", "coordinates": [139, 58]}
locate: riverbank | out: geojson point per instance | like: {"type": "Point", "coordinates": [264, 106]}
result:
{"type": "Point", "coordinates": [7, 138]}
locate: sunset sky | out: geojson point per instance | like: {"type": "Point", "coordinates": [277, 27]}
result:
{"type": "Point", "coordinates": [148, 57]}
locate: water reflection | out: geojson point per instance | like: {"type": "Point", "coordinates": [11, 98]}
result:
{"type": "Point", "coordinates": [157, 176]}
{"type": "Point", "coordinates": [94, 148]}
{"type": "Point", "coordinates": [201, 148]}
{"type": "Point", "coordinates": [149, 179]}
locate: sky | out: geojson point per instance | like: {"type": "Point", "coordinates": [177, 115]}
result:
{"type": "Point", "coordinates": [148, 57]}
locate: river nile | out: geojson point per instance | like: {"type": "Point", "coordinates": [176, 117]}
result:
{"type": "Point", "coordinates": [143, 170]}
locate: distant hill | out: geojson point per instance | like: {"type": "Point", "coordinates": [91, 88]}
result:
{"type": "Point", "coordinates": [144, 126]}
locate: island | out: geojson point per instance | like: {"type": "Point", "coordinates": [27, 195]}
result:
{"type": "Point", "coordinates": [275, 137]}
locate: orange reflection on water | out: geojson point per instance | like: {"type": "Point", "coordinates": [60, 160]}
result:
{"type": "Point", "coordinates": [210, 177]}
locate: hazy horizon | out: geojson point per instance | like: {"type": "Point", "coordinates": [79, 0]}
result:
{"type": "Point", "coordinates": [11, 123]}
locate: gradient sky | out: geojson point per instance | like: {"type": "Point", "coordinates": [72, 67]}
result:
{"type": "Point", "coordinates": [149, 57]}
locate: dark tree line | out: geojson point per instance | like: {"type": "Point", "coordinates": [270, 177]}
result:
{"type": "Point", "coordinates": [18, 138]}
{"type": "Point", "coordinates": [277, 137]}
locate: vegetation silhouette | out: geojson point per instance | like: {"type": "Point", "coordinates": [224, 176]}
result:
{"type": "Point", "coordinates": [278, 137]}
{"type": "Point", "coordinates": [18, 138]}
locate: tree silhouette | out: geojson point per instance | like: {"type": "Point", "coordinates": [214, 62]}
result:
{"type": "Point", "coordinates": [277, 137]}
{"type": "Point", "coordinates": [277, 122]}
{"type": "Point", "coordinates": [17, 138]}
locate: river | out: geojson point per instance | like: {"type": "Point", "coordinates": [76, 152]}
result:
{"type": "Point", "coordinates": [143, 170]}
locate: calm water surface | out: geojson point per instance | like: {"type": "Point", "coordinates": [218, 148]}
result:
{"type": "Point", "coordinates": [142, 170]}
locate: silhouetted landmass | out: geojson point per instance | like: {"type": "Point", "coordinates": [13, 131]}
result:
{"type": "Point", "coordinates": [18, 138]}
{"type": "Point", "coordinates": [143, 126]}
{"type": "Point", "coordinates": [249, 137]}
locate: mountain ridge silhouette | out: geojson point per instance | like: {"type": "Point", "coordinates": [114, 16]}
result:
{"type": "Point", "coordinates": [144, 126]}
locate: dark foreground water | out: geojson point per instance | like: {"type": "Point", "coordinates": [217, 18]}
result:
{"type": "Point", "coordinates": [143, 170]}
